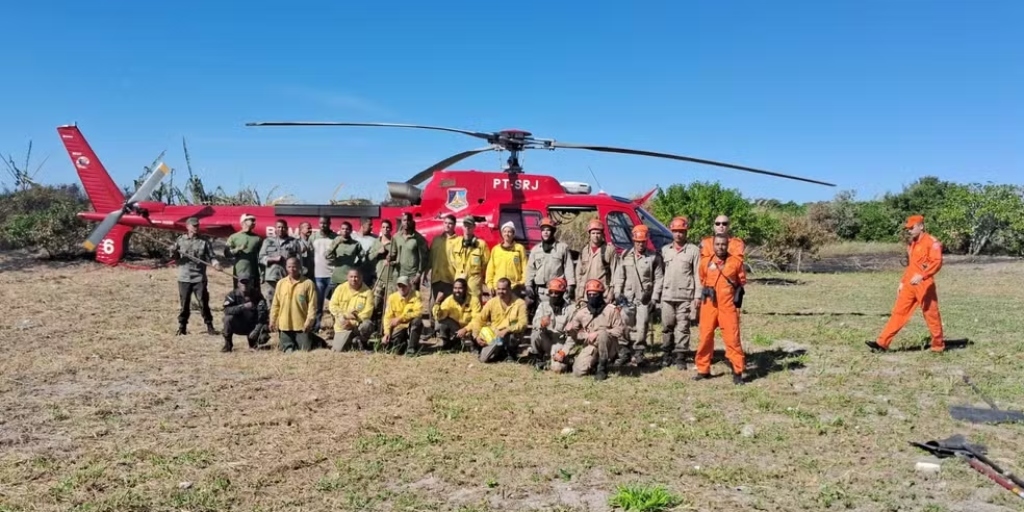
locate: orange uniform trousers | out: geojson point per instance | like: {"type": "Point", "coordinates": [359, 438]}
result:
{"type": "Point", "coordinates": [909, 297]}
{"type": "Point", "coordinates": [715, 273]}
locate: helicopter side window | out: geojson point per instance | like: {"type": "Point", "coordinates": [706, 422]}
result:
{"type": "Point", "coordinates": [621, 228]}
{"type": "Point", "coordinates": [527, 224]}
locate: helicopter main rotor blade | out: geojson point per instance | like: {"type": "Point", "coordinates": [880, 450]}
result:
{"type": "Point", "coordinates": [101, 231]}
{"type": "Point", "coordinates": [423, 175]}
{"type": "Point", "coordinates": [479, 135]}
{"type": "Point", "coordinates": [610, 149]}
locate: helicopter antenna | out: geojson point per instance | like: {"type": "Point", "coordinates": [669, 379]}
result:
{"type": "Point", "coordinates": [599, 187]}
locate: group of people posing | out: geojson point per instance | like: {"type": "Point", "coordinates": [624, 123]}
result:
{"type": "Point", "coordinates": [585, 315]}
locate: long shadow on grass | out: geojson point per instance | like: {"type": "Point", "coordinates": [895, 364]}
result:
{"type": "Point", "coordinates": [761, 364]}
{"type": "Point", "coordinates": [812, 313]}
{"type": "Point", "coordinates": [775, 281]}
{"type": "Point", "coordinates": [956, 344]}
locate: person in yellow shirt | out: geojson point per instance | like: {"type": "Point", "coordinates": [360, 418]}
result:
{"type": "Point", "coordinates": [352, 306]}
{"type": "Point", "coordinates": [293, 311]}
{"type": "Point", "coordinates": [470, 259]}
{"type": "Point", "coordinates": [501, 324]}
{"type": "Point", "coordinates": [402, 318]}
{"type": "Point", "coordinates": [454, 316]}
{"type": "Point", "coordinates": [442, 266]}
{"type": "Point", "coordinates": [508, 261]}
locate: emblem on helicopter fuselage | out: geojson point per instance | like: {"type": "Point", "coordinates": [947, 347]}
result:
{"type": "Point", "coordinates": [456, 199]}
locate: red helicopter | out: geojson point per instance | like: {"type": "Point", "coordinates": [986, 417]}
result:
{"type": "Point", "coordinates": [491, 198]}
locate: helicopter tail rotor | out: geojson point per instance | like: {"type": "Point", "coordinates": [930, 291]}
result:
{"type": "Point", "coordinates": [143, 193]}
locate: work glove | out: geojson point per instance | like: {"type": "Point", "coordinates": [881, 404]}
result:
{"type": "Point", "coordinates": [545, 321]}
{"type": "Point", "coordinates": [571, 291]}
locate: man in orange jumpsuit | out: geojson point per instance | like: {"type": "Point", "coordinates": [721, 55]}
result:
{"type": "Point", "coordinates": [736, 244]}
{"type": "Point", "coordinates": [917, 287]}
{"type": "Point", "coordinates": [720, 274]}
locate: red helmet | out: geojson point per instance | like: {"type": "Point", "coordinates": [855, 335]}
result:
{"type": "Point", "coordinates": [595, 224]}
{"type": "Point", "coordinates": [595, 285]}
{"type": "Point", "coordinates": [546, 222]}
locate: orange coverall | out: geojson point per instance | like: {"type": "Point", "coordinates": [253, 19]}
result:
{"type": "Point", "coordinates": [714, 274]}
{"type": "Point", "coordinates": [736, 249]}
{"type": "Point", "coordinates": [925, 258]}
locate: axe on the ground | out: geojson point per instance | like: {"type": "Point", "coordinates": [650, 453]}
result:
{"type": "Point", "coordinates": [980, 415]}
{"type": "Point", "coordinates": [957, 446]}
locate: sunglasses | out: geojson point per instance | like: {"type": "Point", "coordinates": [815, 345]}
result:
{"type": "Point", "coordinates": [721, 223]}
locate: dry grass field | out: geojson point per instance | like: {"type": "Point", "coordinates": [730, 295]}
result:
{"type": "Point", "coordinates": [103, 409]}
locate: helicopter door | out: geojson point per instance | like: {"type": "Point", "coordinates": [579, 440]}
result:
{"type": "Point", "coordinates": [527, 223]}
{"type": "Point", "coordinates": [620, 228]}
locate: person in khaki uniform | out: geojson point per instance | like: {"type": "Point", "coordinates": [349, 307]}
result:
{"type": "Point", "coordinates": [598, 328]}
{"type": "Point", "coordinates": [638, 279]}
{"type": "Point", "coordinates": [293, 311]}
{"type": "Point", "coordinates": [548, 260]}
{"type": "Point", "coordinates": [549, 323]}
{"type": "Point", "coordinates": [385, 269]}
{"type": "Point", "coordinates": [306, 253]}
{"type": "Point", "coordinates": [598, 260]}
{"type": "Point", "coordinates": [402, 322]}
{"type": "Point", "coordinates": [499, 327]}
{"type": "Point", "coordinates": [470, 260]}
{"type": "Point", "coordinates": [352, 308]}
{"type": "Point", "coordinates": [680, 294]}
{"type": "Point", "coordinates": [190, 249]}
{"type": "Point", "coordinates": [507, 261]}
{"type": "Point", "coordinates": [274, 252]}
{"type": "Point", "coordinates": [454, 316]}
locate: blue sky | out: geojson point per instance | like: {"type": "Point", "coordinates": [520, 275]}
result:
{"type": "Point", "coordinates": [869, 94]}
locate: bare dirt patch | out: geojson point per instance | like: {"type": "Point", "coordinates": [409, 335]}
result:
{"type": "Point", "coordinates": [104, 409]}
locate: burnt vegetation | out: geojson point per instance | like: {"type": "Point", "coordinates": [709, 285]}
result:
{"type": "Point", "coordinates": [972, 219]}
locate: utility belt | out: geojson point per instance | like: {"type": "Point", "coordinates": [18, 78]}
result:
{"type": "Point", "coordinates": [708, 292]}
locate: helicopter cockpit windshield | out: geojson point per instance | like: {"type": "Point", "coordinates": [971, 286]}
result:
{"type": "Point", "coordinates": [660, 235]}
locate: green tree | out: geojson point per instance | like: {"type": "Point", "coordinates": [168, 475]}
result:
{"type": "Point", "coordinates": [877, 222]}
{"type": "Point", "coordinates": [701, 202]}
{"type": "Point", "coordinates": [975, 215]}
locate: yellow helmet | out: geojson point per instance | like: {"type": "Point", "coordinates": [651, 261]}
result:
{"type": "Point", "coordinates": [487, 334]}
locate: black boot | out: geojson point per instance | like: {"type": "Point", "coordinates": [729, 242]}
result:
{"type": "Point", "coordinates": [624, 355]}
{"type": "Point", "coordinates": [602, 371]}
{"type": "Point", "coordinates": [737, 379]}
{"type": "Point", "coordinates": [227, 344]}
{"type": "Point", "coordinates": [702, 376]}
{"type": "Point", "coordinates": [638, 357]}
{"type": "Point", "coordinates": [680, 361]}
{"type": "Point", "coordinates": [181, 330]}
{"type": "Point", "coordinates": [210, 330]}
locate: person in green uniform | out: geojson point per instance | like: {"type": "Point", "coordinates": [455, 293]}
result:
{"type": "Point", "coordinates": [244, 246]}
{"type": "Point", "coordinates": [345, 253]}
{"type": "Point", "coordinates": [410, 251]}
{"type": "Point", "coordinates": [190, 250]}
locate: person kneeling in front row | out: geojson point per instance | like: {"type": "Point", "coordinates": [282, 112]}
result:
{"type": "Point", "coordinates": [245, 313]}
